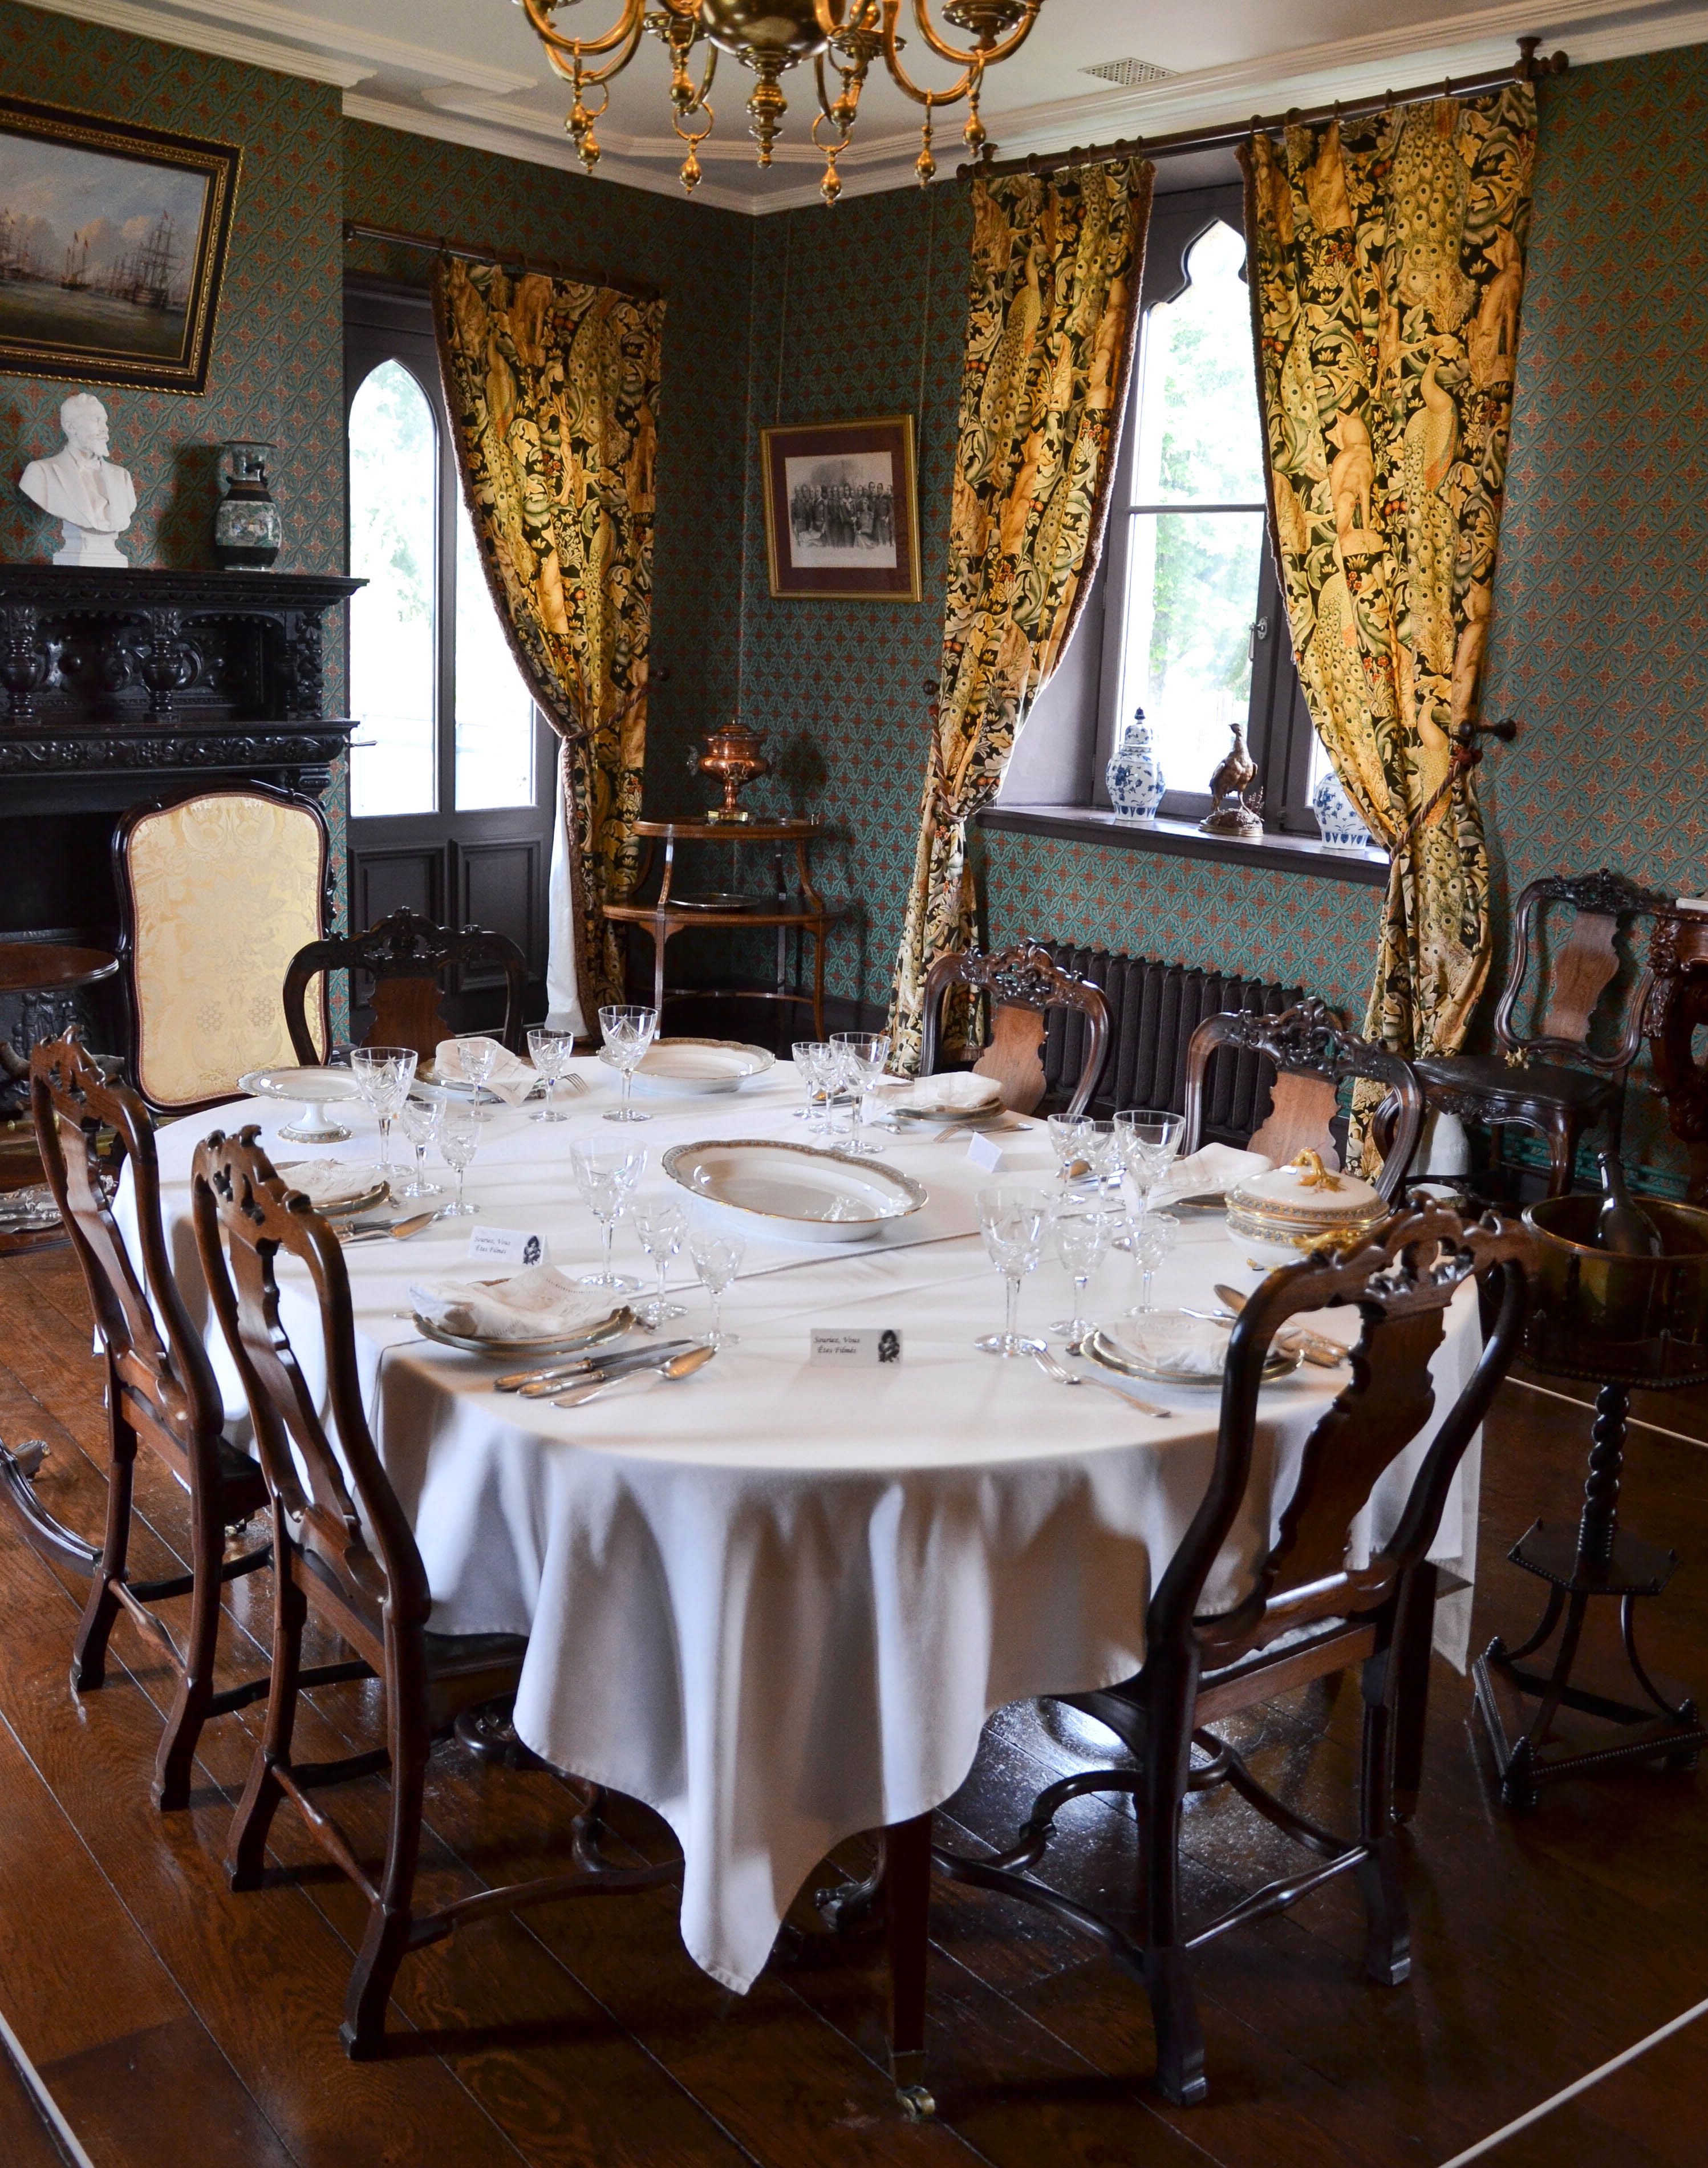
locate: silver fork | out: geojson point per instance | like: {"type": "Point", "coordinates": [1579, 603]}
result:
{"type": "Point", "coordinates": [1060, 1376]}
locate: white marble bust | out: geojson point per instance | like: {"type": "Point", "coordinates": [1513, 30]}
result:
{"type": "Point", "coordinates": [81, 487]}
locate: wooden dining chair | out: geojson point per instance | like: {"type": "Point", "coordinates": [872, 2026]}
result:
{"type": "Point", "coordinates": [1024, 983]}
{"type": "Point", "coordinates": [1306, 1614]}
{"type": "Point", "coordinates": [1313, 1057]}
{"type": "Point", "coordinates": [344, 1551]}
{"type": "Point", "coordinates": [400, 966]}
{"type": "Point", "coordinates": [1551, 1077]}
{"type": "Point", "coordinates": [161, 1393]}
{"type": "Point", "coordinates": [217, 891]}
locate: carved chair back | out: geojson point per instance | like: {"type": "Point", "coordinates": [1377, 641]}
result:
{"type": "Point", "coordinates": [217, 891]}
{"type": "Point", "coordinates": [1571, 977]}
{"type": "Point", "coordinates": [1024, 982]}
{"type": "Point", "coordinates": [1401, 1281]}
{"type": "Point", "coordinates": [1314, 1055]}
{"type": "Point", "coordinates": [354, 1553]}
{"type": "Point", "coordinates": [162, 1381]}
{"type": "Point", "coordinates": [405, 959]}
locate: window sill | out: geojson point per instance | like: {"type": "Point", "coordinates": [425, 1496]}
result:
{"type": "Point", "coordinates": [1182, 839]}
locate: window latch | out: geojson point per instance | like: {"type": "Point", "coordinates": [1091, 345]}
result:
{"type": "Point", "coordinates": [1259, 630]}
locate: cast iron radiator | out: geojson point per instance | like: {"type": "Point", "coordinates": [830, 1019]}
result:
{"type": "Point", "coordinates": [1154, 1010]}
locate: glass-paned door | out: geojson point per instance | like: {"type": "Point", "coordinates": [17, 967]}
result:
{"type": "Point", "coordinates": [452, 776]}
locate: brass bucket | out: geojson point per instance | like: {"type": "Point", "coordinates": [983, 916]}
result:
{"type": "Point", "coordinates": [1623, 1321]}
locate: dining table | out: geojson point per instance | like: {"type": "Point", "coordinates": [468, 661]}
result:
{"type": "Point", "coordinates": [777, 1600]}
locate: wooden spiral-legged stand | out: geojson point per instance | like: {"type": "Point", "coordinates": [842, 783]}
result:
{"type": "Point", "coordinates": [1599, 1560]}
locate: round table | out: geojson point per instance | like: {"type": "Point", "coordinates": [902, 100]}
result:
{"type": "Point", "coordinates": [776, 1602]}
{"type": "Point", "coordinates": [45, 972]}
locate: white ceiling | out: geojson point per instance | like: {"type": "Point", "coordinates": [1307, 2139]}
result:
{"type": "Point", "coordinates": [472, 71]}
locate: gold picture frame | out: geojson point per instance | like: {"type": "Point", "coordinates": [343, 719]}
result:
{"type": "Point", "coordinates": [841, 510]}
{"type": "Point", "coordinates": [113, 245]}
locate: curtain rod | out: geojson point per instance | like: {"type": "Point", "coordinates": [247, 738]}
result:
{"type": "Point", "coordinates": [1528, 68]}
{"type": "Point", "coordinates": [355, 229]}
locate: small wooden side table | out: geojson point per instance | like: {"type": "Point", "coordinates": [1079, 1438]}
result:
{"type": "Point", "coordinates": [45, 972]}
{"type": "Point", "coordinates": [671, 913]}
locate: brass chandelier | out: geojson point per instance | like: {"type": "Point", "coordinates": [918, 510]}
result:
{"type": "Point", "coordinates": [841, 38]}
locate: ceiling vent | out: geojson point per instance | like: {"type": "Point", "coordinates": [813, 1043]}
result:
{"type": "Point", "coordinates": [1127, 73]}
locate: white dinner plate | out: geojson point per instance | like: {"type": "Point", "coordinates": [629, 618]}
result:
{"type": "Point", "coordinates": [808, 1195]}
{"type": "Point", "coordinates": [1116, 1352]}
{"type": "Point", "coordinates": [592, 1336]}
{"type": "Point", "coordinates": [697, 1066]}
{"type": "Point", "coordinates": [301, 1088]}
{"type": "Point", "coordinates": [366, 1185]}
{"type": "Point", "coordinates": [915, 1101]}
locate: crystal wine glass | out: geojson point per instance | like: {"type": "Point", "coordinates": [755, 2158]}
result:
{"type": "Point", "coordinates": [716, 1260]}
{"type": "Point", "coordinates": [1082, 1234]}
{"type": "Point", "coordinates": [1152, 1240]}
{"type": "Point", "coordinates": [1149, 1137]}
{"type": "Point", "coordinates": [1012, 1222]}
{"type": "Point", "coordinates": [628, 1031]}
{"type": "Point", "coordinates": [551, 1053]}
{"type": "Point", "coordinates": [606, 1175]}
{"type": "Point", "coordinates": [1072, 1134]}
{"type": "Point", "coordinates": [383, 1074]}
{"type": "Point", "coordinates": [861, 1057]}
{"type": "Point", "coordinates": [459, 1140]}
{"type": "Point", "coordinates": [812, 1060]}
{"type": "Point", "coordinates": [479, 1058]}
{"type": "Point", "coordinates": [660, 1225]}
{"type": "Point", "coordinates": [419, 1119]}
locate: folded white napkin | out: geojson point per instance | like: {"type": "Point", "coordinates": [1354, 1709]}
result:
{"type": "Point", "coordinates": [1172, 1343]}
{"type": "Point", "coordinates": [956, 1092]}
{"type": "Point", "coordinates": [327, 1183]}
{"type": "Point", "coordinates": [537, 1304]}
{"type": "Point", "coordinates": [1214, 1167]}
{"type": "Point", "coordinates": [511, 1079]}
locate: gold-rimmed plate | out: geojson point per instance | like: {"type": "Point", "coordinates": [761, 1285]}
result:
{"type": "Point", "coordinates": [593, 1335]}
{"type": "Point", "coordinates": [341, 1207]}
{"type": "Point", "coordinates": [795, 1190]}
{"type": "Point", "coordinates": [1209, 1203]}
{"type": "Point", "coordinates": [1126, 1363]}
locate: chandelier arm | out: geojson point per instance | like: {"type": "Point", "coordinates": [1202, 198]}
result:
{"type": "Point", "coordinates": [989, 56]}
{"type": "Point", "coordinates": [625, 32]}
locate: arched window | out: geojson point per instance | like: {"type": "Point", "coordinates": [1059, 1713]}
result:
{"type": "Point", "coordinates": [394, 620]}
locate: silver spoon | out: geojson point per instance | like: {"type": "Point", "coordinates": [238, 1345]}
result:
{"type": "Point", "coordinates": [1057, 1375]}
{"type": "Point", "coordinates": [679, 1366]}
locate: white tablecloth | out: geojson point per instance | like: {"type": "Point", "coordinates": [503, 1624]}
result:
{"type": "Point", "coordinates": [778, 1602]}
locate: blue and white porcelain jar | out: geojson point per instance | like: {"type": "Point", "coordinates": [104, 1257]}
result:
{"type": "Point", "coordinates": [1134, 774]}
{"type": "Point", "coordinates": [1341, 823]}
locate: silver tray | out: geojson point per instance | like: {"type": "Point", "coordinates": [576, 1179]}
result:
{"type": "Point", "coordinates": [608, 1328]}
{"type": "Point", "coordinates": [345, 1206]}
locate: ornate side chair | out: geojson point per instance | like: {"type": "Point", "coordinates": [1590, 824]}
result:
{"type": "Point", "coordinates": [1552, 1079]}
{"type": "Point", "coordinates": [343, 1550]}
{"type": "Point", "coordinates": [1025, 983]}
{"type": "Point", "coordinates": [1314, 1055]}
{"type": "Point", "coordinates": [217, 891]}
{"type": "Point", "coordinates": [1306, 1614]}
{"type": "Point", "coordinates": [405, 959]}
{"type": "Point", "coordinates": [161, 1392]}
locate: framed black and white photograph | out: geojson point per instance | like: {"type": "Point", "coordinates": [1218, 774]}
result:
{"type": "Point", "coordinates": [113, 241]}
{"type": "Point", "coordinates": [841, 510]}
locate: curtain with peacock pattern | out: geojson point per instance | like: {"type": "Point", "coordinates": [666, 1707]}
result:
{"type": "Point", "coordinates": [1389, 260]}
{"type": "Point", "coordinates": [552, 388]}
{"type": "Point", "coordinates": [1057, 261]}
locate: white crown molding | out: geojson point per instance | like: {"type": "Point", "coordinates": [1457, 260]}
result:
{"type": "Point", "coordinates": [351, 41]}
{"type": "Point", "coordinates": [141, 21]}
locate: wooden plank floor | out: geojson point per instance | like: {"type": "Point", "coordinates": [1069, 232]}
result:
{"type": "Point", "coordinates": [172, 2020]}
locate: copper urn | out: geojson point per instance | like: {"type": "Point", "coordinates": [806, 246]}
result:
{"type": "Point", "coordinates": [732, 754]}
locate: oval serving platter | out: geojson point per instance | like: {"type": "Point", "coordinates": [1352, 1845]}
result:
{"type": "Point", "coordinates": [698, 1066]}
{"type": "Point", "coordinates": [607, 1328]}
{"type": "Point", "coordinates": [796, 1190]}
{"type": "Point", "coordinates": [1279, 1363]}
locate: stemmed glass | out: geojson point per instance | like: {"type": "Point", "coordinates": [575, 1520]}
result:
{"type": "Point", "coordinates": [861, 1057]}
{"type": "Point", "coordinates": [660, 1225]}
{"type": "Point", "coordinates": [605, 1174]}
{"type": "Point", "coordinates": [1082, 1235]}
{"type": "Point", "coordinates": [551, 1053]}
{"type": "Point", "coordinates": [1148, 1138]}
{"type": "Point", "coordinates": [1012, 1222]}
{"type": "Point", "coordinates": [716, 1260]}
{"type": "Point", "coordinates": [628, 1031]}
{"type": "Point", "coordinates": [1152, 1240]}
{"type": "Point", "coordinates": [479, 1058]}
{"type": "Point", "coordinates": [814, 1061]}
{"type": "Point", "coordinates": [419, 1119]}
{"type": "Point", "coordinates": [383, 1074]}
{"type": "Point", "coordinates": [459, 1139]}
{"type": "Point", "coordinates": [1071, 1136]}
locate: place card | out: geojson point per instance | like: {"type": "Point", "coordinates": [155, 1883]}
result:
{"type": "Point", "coordinates": [507, 1245]}
{"type": "Point", "coordinates": [855, 1344]}
{"type": "Point", "coordinates": [987, 1152]}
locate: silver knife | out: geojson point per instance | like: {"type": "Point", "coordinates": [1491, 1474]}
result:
{"type": "Point", "coordinates": [1315, 1346]}
{"type": "Point", "coordinates": [535, 1384]}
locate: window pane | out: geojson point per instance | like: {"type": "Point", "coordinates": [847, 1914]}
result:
{"type": "Point", "coordinates": [495, 712]}
{"type": "Point", "coordinates": [1192, 597]}
{"type": "Point", "coordinates": [393, 478]}
{"type": "Point", "coordinates": [1198, 439]}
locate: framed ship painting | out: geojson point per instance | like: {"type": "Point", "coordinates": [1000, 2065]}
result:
{"type": "Point", "coordinates": [113, 242]}
{"type": "Point", "coordinates": [841, 510]}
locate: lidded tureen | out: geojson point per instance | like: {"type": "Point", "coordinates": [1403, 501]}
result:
{"type": "Point", "coordinates": [1277, 1216]}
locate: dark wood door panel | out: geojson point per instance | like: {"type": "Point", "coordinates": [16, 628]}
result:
{"type": "Point", "coordinates": [396, 877]}
{"type": "Point", "coordinates": [500, 885]}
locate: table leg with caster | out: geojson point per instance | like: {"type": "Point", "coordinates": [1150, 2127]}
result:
{"type": "Point", "coordinates": [907, 1848]}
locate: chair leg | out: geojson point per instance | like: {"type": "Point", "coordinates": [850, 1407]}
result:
{"type": "Point", "coordinates": [246, 1847]}
{"type": "Point", "coordinates": [1388, 1927]}
{"type": "Point", "coordinates": [907, 1897]}
{"type": "Point", "coordinates": [1414, 1639]}
{"type": "Point", "coordinates": [195, 1686]}
{"type": "Point", "coordinates": [89, 1650]}
{"type": "Point", "coordinates": [1168, 1976]}
{"type": "Point", "coordinates": [386, 1942]}
{"type": "Point", "coordinates": [1563, 1135]}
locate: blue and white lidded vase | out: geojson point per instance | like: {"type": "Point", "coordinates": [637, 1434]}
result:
{"type": "Point", "coordinates": [1340, 821]}
{"type": "Point", "coordinates": [1134, 774]}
